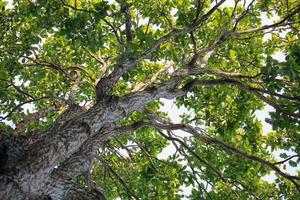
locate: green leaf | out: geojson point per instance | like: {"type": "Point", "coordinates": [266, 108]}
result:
{"type": "Point", "coordinates": [283, 155]}
{"type": "Point", "coordinates": [292, 163]}
{"type": "Point", "coordinates": [232, 54]}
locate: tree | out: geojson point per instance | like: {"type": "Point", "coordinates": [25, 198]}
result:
{"type": "Point", "coordinates": [82, 83]}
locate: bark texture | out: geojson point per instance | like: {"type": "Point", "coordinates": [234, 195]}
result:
{"type": "Point", "coordinates": [43, 165]}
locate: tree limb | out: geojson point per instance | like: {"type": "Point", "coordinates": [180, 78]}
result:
{"type": "Point", "coordinates": [105, 86]}
{"type": "Point", "coordinates": [212, 141]}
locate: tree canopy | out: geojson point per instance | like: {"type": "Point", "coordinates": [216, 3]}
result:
{"type": "Point", "coordinates": [82, 84]}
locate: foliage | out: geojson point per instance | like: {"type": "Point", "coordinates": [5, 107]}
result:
{"type": "Point", "coordinates": [48, 48]}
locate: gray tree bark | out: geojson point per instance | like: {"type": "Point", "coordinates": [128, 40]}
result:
{"type": "Point", "coordinates": [43, 165]}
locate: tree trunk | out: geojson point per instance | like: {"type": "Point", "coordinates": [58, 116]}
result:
{"type": "Point", "coordinates": [43, 165]}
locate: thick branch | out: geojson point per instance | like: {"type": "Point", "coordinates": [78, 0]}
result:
{"type": "Point", "coordinates": [105, 86]}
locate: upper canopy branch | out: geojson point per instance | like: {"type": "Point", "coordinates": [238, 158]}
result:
{"type": "Point", "coordinates": [282, 22]}
{"type": "Point", "coordinates": [105, 88]}
{"type": "Point", "coordinates": [125, 9]}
